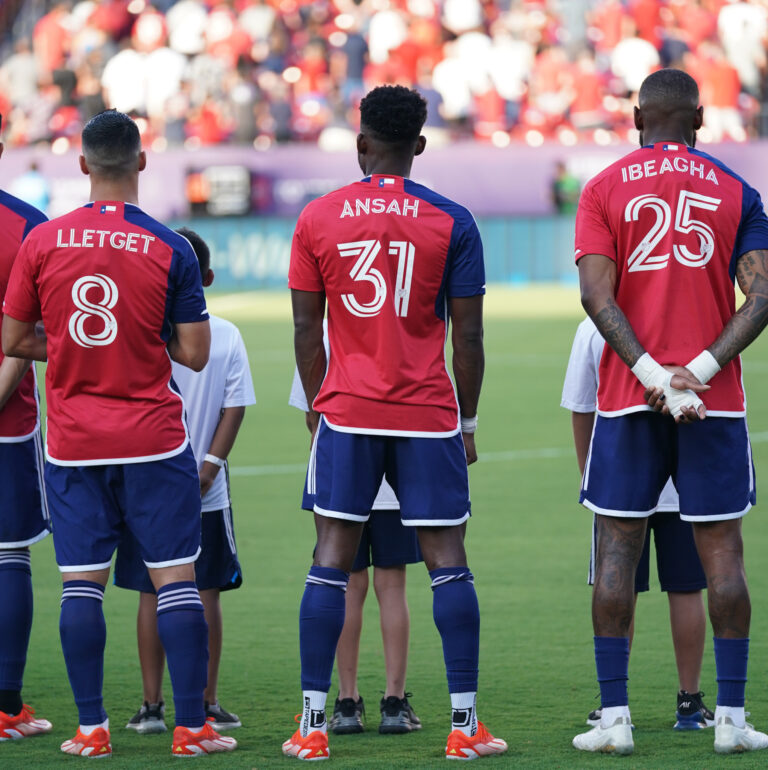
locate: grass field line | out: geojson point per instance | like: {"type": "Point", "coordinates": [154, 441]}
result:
{"type": "Point", "coordinates": [534, 300]}
{"type": "Point", "coordinates": [511, 455]}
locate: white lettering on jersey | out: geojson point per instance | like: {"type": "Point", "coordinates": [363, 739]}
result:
{"type": "Point", "coordinates": [91, 239]}
{"type": "Point", "coordinates": [379, 206]}
{"type": "Point", "coordinates": [87, 309]}
{"type": "Point", "coordinates": [679, 163]}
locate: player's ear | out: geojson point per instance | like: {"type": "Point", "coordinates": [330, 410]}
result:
{"type": "Point", "coordinates": [638, 119]}
{"type": "Point", "coordinates": [208, 279]}
{"type": "Point", "coordinates": [698, 118]}
{"type": "Point", "coordinates": [362, 144]}
{"type": "Point", "coordinates": [84, 166]}
{"type": "Point", "coordinates": [2, 147]}
{"type": "Point", "coordinates": [421, 143]}
{"type": "Point", "coordinates": [142, 160]}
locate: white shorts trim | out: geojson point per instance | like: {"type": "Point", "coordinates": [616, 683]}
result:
{"type": "Point", "coordinates": [85, 567]}
{"type": "Point", "coordinates": [22, 543]}
{"type": "Point", "coordinates": [435, 522]}
{"type": "Point", "coordinates": [341, 515]}
{"type": "Point", "coordinates": [384, 432]}
{"type": "Point", "coordinates": [619, 514]}
{"type": "Point", "coordinates": [719, 516]}
{"type": "Point", "coordinates": [173, 562]}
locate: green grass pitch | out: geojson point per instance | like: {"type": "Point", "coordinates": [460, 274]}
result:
{"type": "Point", "coordinates": [528, 545]}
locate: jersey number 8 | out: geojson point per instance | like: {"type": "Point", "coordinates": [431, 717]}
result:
{"type": "Point", "coordinates": [363, 270]}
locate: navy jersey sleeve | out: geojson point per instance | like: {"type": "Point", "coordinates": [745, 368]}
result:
{"type": "Point", "coordinates": [753, 228]}
{"type": "Point", "coordinates": [186, 288]}
{"type": "Point", "coordinates": [466, 268]}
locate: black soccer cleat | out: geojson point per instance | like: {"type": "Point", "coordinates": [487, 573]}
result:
{"type": "Point", "coordinates": [397, 716]}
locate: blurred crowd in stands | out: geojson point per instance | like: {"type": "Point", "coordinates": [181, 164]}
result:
{"type": "Point", "coordinates": [204, 72]}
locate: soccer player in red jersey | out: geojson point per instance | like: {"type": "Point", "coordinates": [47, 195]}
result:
{"type": "Point", "coordinates": [394, 261]}
{"type": "Point", "coordinates": [119, 295]}
{"type": "Point", "coordinates": [23, 513]}
{"type": "Point", "coordinates": [660, 237]}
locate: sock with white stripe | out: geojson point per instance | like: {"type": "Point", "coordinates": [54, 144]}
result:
{"type": "Point", "coordinates": [83, 638]}
{"type": "Point", "coordinates": [457, 617]}
{"type": "Point", "coordinates": [16, 623]}
{"type": "Point", "coordinates": [184, 634]}
{"type": "Point", "coordinates": [321, 618]}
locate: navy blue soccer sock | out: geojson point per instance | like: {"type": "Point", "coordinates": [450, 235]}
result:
{"type": "Point", "coordinates": [184, 634]}
{"type": "Point", "coordinates": [731, 657]}
{"type": "Point", "coordinates": [83, 638]}
{"type": "Point", "coordinates": [457, 617]}
{"type": "Point", "coordinates": [612, 662]}
{"type": "Point", "coordinates": [321, 618]}
{"type": "Point", "coordinates": [15, 622]}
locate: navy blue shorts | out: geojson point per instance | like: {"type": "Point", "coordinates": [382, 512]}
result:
{"type": "Point", "coordinates": [92, 505]}
{"type": "Point", "coordinates": [429, 476]}
{"type": "Point", "coordinates": [216, 567]}
{"type": "Point", "coordinates": [677, 560]}
{"type": "Point", "coordinates": [631, 457]}
{"type": "Point", "coordinates": [23, 513]}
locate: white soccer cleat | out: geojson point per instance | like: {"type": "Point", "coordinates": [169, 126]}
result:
{"type": "Point", "coordinates": [730, 739]}
{"type": "Point", "coordinates": [616, 739]}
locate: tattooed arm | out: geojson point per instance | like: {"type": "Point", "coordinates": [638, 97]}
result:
{"type": "Point", "coordinates": [597, 276]}
{"type": "Point", "coordinates": [751, 318]}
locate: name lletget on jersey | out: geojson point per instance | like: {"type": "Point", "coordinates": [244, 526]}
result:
{"type": "Point", "coordinates": [93, 239]}
{"type": "Point", "coordinates": [380, 206]}
{"type": "Point", "coordinates": [678, 163]}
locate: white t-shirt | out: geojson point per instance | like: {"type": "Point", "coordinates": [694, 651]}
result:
{"type": "Point", "coordinates": [386, 499]}
{"type": "Point", "coordinates": [224, 382]}
{"type": "Point", "coordinates": [580, 389]}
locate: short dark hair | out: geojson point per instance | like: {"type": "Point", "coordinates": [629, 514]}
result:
{"type": "Point", "coordinates": [202, 252]}
{"type": "Point", "coordinates": [394, 114]}
{"type": "Point", "coordinates": [668, 91]}
{"type": "Point", "coordinates": [111, 144]}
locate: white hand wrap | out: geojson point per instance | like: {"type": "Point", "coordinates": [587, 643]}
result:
{"type": "Point", "coordinates": [650, 373]}
{"type": "Point", "coordinates": [676, 399]}
{"type": "Point", "coordinates": [469, 424]}
{"type": "Point", "coordinates": [704, 367]}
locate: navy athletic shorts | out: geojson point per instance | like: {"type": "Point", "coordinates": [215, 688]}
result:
{"type": "Point", "coordinates": [23, 512]}
{"type": "Point", "coordinates": [216, 567]}
{"type": "Point", "coordinates": [632, 456]}
{"type": "Point", "coordinates": [429, 476]}
{"type": "Point", "coordinates": [92, 505]}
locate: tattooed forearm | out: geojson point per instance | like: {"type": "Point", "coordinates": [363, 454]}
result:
{"type": "Point", "coordinates": [617, 332]}
{"type": "Point", "coordinates": [752, 317]}
{"type": "Point", "coordinates": [619, 545]}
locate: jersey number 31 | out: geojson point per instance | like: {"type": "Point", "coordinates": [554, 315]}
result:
{"type": "Point", "coordinates": [363, 270]}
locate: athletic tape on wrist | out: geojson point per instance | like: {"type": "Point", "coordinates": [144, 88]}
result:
{"type": "Point", "coordinates": [469, 424]}
{"type": "Point", "coordinates": [650, 373]}
{"type": "Point", "coordinates": [215, 460]}
{"type": "Point", "coordinates": [704, 367]}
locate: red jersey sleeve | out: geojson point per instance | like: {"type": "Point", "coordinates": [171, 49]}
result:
{"type": "Point", "coordinates": [304, 272]}
{"type": "Point", "coordinates": [21, 299]}
{"type": "Point", "coordinates": [593, 233]}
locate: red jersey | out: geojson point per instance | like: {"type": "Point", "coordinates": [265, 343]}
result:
{"type": "Point", "coordinates": [675, 221]}
{"type": "Point", "coordinates": [108, 282]}
{"type": "Point", "coordinates": [19, 418]}
{"type": "Point", "coordinates": [388, 253]}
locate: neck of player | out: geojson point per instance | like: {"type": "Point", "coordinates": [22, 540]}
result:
{"type": "Point", "coordinates": [387, 165]}
{"type": "Point", "coordinates": [670, 133]}
{"type": "Point", "coordinates": [125, 190]}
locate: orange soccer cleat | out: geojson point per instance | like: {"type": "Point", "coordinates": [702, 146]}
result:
{"type": "Point", "coordinates": [481, 744]}
{"type": "Point", "coordinates": [94, 746]}
{"type": "Point", "coordinates": [23, 725]}
{"type": "Point", "coordinates": [312, 748]}
{"type": "Point", "coordinates": [206, 741]}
